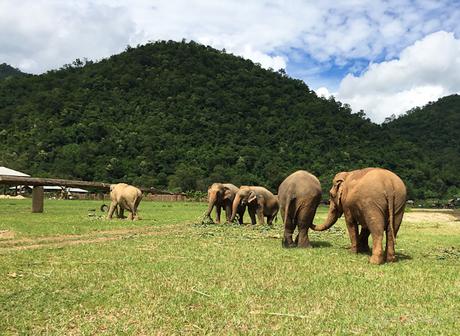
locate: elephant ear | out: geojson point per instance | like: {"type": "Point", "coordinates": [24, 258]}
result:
{"type": "Point", "coordinates": [336, 190]}
{"type": "Point", "coordinates": [228, 195]}
{"type": "Point", "coordinates": [252, 197]}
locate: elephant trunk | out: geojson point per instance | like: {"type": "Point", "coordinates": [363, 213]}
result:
{"type": "Point", "coordinates": [236, 203]}
{"type": "Point", "coordinates": [332, 216]}
{"type": "Point", "coordinates": [211, 202]}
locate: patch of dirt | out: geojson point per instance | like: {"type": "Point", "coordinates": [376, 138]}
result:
{"type": "Point", "coordinates": [431, 216]}
{"type": "Point", "coordinates": [12, 197]}
{"type": "Point", "coordinates": [91, 238]}
{"type": "Point", "coordinates": [7, 234]}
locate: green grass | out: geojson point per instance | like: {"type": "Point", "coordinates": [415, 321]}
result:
{"type": "Point", "coordinates": [168, 274]}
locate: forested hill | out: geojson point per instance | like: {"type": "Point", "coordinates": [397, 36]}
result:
{"type": "Point", "coordinates": [435, 131]}
{"type": "Point", "coordinates": [8, 71]}
{"type": "Point", "coordinates": [182, 115]}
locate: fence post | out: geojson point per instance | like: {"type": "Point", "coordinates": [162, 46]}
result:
{"type": "Point", "coordinates": [37, 199]}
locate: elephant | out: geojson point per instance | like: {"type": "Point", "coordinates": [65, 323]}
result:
{"type": "Point", "coordinates": [258, 200]}
{"type": "Point", "coordinates": [373, 198]}
{"type": "Point", "coordinates": [221, 195]}
{"type": "Point", "coordinates": [123, 197]}
{"type": "Point", "coordinates": [299, 196]}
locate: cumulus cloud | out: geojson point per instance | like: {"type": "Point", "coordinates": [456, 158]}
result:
{"type": "Point", "coordinates": [423, 72]}
{"type": "Point", "coordinates": [39, 35]}
{"type": "Point", "coordinates": [323, 92]}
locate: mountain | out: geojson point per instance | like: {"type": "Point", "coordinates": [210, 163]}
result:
{"type": "Point", "coordinates": [182, 115]}
{"type": "Point", "coordinates": [435, 130]}
{"type": "Point", "coordinates": [8, 71]}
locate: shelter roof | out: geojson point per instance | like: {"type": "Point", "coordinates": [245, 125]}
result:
{"type": "Point", "coordinates": [11, 172]}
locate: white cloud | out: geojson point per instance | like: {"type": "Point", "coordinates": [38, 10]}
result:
{"type": "Point", "coordinates": [424, 72]}
{"type": "Point", "coordinates": [323, 92]}
{"type": "Point", "coordinates": [39, 35]}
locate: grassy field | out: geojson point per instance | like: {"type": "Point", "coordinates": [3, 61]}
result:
{"type": "Point", "coordinates": [65, 273]}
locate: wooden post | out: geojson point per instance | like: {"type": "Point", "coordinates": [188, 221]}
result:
{"type": "Point", "coordinates": [37, 199]}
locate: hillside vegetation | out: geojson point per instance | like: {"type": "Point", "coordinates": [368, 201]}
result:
{"type": "Point", "coordinates": [7, 71]}
{"type": "Point", "coordinates": [181, 115]}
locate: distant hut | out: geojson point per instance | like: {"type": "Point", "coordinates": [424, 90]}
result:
{"type": "Point", "coordinates": [11, 172]}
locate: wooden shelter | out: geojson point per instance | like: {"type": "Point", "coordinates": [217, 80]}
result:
{"type": "Point", "coordinates": [38, 183]}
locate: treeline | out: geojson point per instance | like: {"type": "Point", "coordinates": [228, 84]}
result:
{"type": "Point", "coordinates": [7, 71]}
{"type": "Point", "coordinates": [182, 115]}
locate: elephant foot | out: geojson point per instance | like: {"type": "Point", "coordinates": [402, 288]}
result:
{"type": "Point", "coordinates": [353, 249]}
{"type": "Point", "coordinates": [391, 258]}
{"type": "Point", "coordinates": [304, 245]}
{"type": "Point", "coordinates": [376, 259]}
{"type": "Point", "coordinates": [288, 243]}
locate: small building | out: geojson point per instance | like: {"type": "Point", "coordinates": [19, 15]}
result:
{"type": "Point", "coordinates": [11, 172]}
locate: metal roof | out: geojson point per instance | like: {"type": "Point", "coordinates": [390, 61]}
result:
{"type": "Point", "coordinates": [11, 172]}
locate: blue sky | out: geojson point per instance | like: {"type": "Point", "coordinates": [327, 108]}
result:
{"type": "Point", "coordinates": [381, 56]}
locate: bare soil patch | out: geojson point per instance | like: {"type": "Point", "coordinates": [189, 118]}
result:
{"type": "Point", "coordinates": [91, 238]}
{"type": "Point", "coordinates": [431, 216]}
{"type": "Point", "coordinates": [6, 234]}
{"type": "Point", "coordinates": [18, 197]}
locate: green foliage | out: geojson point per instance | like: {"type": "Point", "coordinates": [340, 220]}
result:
{"type": "Point", "coordinates": [183, 115]}
{"type": "Point", "coordinates": [7, 71]}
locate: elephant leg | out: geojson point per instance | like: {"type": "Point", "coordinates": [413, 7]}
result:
{"type": "Point", "coordinates": [289, 228]}
{"type": "Point", "coordinates": [304, 218]}
{"type": "Point", "coordinates": [252, 214]}
{"type": "Point", "coordinates": [352, 227]}
{"type": "Point", "coordinates": [130, 207]}
{"type": "Point", "coordinates": [376, 226]}
{"type": "Point", "coordinates": [390, 242]}
{"type": "Point", "coordinates": [241, 212]}
{"type": "Point", "coordinates": [302, 238]}
{"type": "Point", "coordinates": [363, 240]}
{"type": "Point", "coordinates": [120, 212]}
{"type": "Point", "coordinates": [218, 212]}
{"type": "Point", "coordinates": [270, 220]}
{"type": "Point", "coordinates": [136, 205]}
{"type": "Point", "coordinates": [112, 208]}
{"type": "Point", "coordinates": [228, 212]}
{"type": "Point", "coordinates": [131, 212]}
{"type": "Point", "coordinates": [260, 216]}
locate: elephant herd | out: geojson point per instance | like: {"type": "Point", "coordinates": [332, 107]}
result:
{"type": "Point", "coordinates": [373, 198]}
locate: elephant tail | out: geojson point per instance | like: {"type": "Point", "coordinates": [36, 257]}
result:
{"type": "Point", "coordinates": [286, 212]}
{"type": "Point", "coordinates": [391, 215]}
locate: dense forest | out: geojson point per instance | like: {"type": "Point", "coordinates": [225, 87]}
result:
{"type": "Point", "coordinates": [182, 115]}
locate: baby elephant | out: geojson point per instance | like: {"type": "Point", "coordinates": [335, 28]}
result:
{"type": "Point", "coordinates": [299, 196]}
{"type": "Point", "coordinates": [123, 197]}
{"type": "Point", "coordinates": [259, 201]}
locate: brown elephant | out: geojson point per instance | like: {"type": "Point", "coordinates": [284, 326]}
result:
{"type": "Point", "coordinates": [259, 201]}
{"type": "Point", "coordinates": [299, 196]}
{"type": "Point", "coordinates": [221, 195]}
{"type": "Point", "coordinates": [373, 198]}
{"type": "Point", "coordinates": [123, 197]}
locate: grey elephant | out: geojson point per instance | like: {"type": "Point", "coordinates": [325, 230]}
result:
{"type": "Point", "coordinates": [373, 198]}
{"type": "Point", "coordinates": [259, 201]}
{"type": "Point", "coordinates": [221, 195]}
{"type": "Point", "coordinates": [124, 197]}
{"type": "Point", "coordinates": [299, 196]}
